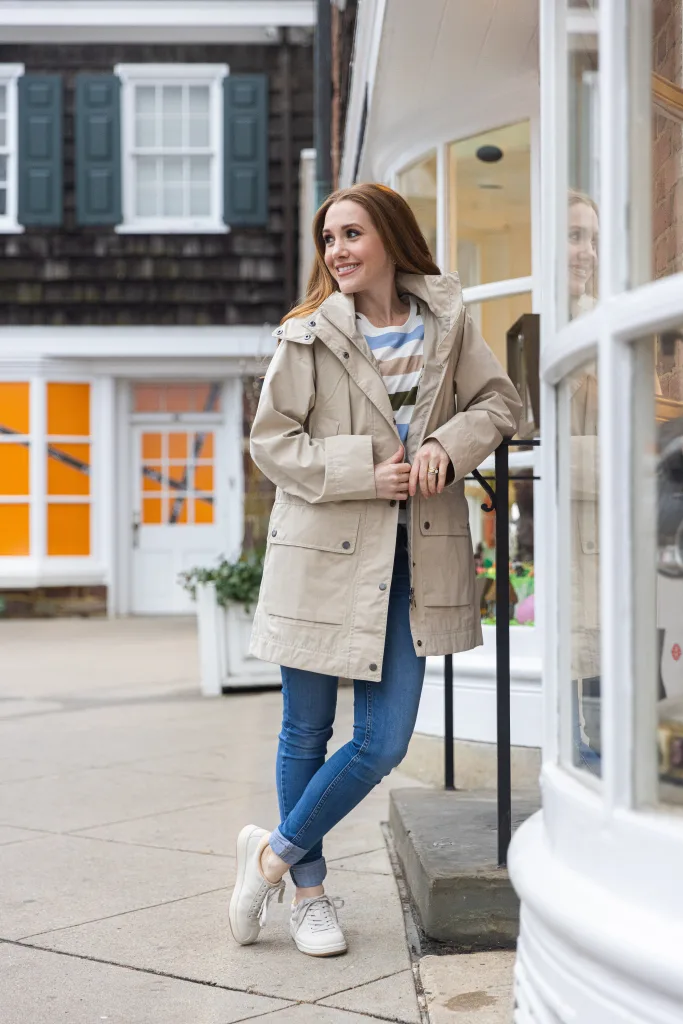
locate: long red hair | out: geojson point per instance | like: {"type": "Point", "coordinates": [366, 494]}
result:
{"type": "Point", "coordinates": [396, 225]}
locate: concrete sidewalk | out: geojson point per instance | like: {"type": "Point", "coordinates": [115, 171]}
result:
{"type": "Point", "coordinates": [121, 795]}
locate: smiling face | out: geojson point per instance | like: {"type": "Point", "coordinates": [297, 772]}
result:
{"type": "Point", "coordinates": [354, 251]}
{"type": "Point", "coordinates": [582, 255]}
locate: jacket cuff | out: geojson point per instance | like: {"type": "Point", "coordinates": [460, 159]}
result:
{"type": "Point", "coordinates": [350, 468]}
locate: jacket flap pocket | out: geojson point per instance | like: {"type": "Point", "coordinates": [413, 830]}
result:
{"type": "Point", "coordinates": [434, 526]}
{"type": "Point", "coordinates": [441, 516]}
{"type": "Point", "coordinates": [318, 528]}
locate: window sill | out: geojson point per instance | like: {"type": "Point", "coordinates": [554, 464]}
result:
{"type": "Point", "coordinates": [10, 228]}
{"type": "Point", "coordinates": [171, 228]}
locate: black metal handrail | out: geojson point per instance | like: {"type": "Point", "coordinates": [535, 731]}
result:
{"type": "Point", "coordinates": [503, 758]}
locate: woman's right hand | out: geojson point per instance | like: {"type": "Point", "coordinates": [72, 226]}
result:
{"type": "Point", "coordinates": [391, 477]}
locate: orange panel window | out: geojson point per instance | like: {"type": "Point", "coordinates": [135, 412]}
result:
{"type": "Point", "coordinates": [14, 406]}
{"type": "Point", "coordinates": [68, 409]}
{"type": "Point", "coordinates": [14, 530]}
{"type": "Point", "coordinates": [68, 529]}
{"type": "Point", "coordinates": [203, 478]}
{"type": "Point", "coordinates": [177, 446]}
{"type": "Point", "coordinates": [14, 469]}
{"type": "Point", "coordinates": [178, 472]}
{"type": "Point", "coordinates": [151, 511]}
{"type": "Point", "coordinates": [151, 477]}
{"type": "Point", "coordinates": [68, 469]}
{"type": "Point", "coordinates": [203, 511]}
{"type": "Point", "coordinates": [203, 446]}
{"type": "Point", "coordinates": [148, 398]}
{"type": "Point", "coordinates": [151, 446]}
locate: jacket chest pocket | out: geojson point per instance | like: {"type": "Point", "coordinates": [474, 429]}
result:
{"type": "Point", "coordinates": [447, 560]}
{"type": "Point", "coordinates": [310, 564]}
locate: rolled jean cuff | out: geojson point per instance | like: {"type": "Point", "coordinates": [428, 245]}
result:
{"type": "Point", "coordinates": [285, 849]}
{"type": "Point", "coordinates": [305, 876]}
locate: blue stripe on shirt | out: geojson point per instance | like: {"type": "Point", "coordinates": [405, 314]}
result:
{"type": "Point", "coordinates": [394, 339]}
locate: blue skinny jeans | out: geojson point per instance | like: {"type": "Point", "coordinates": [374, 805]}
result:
{"type": "Point", "coordinates": [315, 794]}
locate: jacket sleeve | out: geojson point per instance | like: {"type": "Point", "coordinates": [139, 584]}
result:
{"type": "Point", "coordinates": [338, 468]}
{"type": "Point", "coordinates": [488, 406]}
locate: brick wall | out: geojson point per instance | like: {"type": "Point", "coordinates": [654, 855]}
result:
{"type": "Point", "coordinates": [78, 275]}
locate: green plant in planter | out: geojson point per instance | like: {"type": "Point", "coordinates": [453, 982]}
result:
{"type": "Point", "coordinates": [237, 582]}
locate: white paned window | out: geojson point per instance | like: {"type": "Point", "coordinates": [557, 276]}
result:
{"type": "Point", "coordinates": [8, 146]}
{"type": "Point", "coordinates": [172, 147]}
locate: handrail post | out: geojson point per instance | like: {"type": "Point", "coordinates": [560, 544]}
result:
{"type": "Point", "coordinates": [449, 767]}
{"type": "Point", "coordinates": [503, 653]}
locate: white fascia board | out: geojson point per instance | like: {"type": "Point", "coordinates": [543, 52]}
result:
{"type": "Point", "coordinates": [366, 47]}
{"type": "Point", "coordinates": [135, 343]}
{"type": "Point", "coordinates": [201, 20]}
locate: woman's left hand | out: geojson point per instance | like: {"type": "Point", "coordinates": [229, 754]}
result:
{"type": "Point", "coordinates": [431, 455]}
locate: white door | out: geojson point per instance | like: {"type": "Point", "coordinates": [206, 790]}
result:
{"type": "Point", "coordinates": [177, 514]}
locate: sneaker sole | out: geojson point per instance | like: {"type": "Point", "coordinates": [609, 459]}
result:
{"type": "Point", "coordinates": [241, 853]}
{"type": "Point", "coordinates": [317, 951]}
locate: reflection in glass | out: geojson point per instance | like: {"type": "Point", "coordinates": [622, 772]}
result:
{"type": "Point", "coordinates": [490, 206]}
{"type": "Point", "coordinates": [521, 568]}
{"type": "Point", "coordinates": [584, 493]}
{"type": "Point", "coordinates": [583, 173]}
{"type": "Point", "coordinates": [667, 138]}
{"type": "Point", "coordinates": [417, 185]}
{"type": "Point", "coordinates": [669, 581]}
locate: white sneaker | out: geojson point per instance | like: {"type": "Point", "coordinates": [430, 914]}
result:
{"type": "Point", "coordinates": [315, 928]}
{"type": "Point", "coordinates": [252, 892]}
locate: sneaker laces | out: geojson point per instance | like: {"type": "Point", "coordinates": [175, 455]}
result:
{"type": "Point", "coordinates": [263, 913]}
{"type": "Point", "coordinates": [321, 912]}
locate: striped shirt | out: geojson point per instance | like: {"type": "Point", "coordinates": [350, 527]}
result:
{"type": "Point", "coordinates": [399, 353]}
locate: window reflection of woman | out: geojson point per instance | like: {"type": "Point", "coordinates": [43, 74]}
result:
{"type": "Point", "coordinates": [582, 268]}
{"type": "Point", "coordinates": [582, 253]}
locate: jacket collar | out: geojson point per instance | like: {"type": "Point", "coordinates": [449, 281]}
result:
{"type": "Point", "coordinates": [441, 293]}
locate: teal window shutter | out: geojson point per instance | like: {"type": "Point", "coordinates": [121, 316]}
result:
{"type": "Point", "coordinates": [40, 150]}
{"type": "Point", "coordinates": [98, 149]}
{"type": "Point", "coordinates": [245, 100]}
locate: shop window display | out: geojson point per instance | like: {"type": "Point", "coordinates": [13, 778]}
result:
{"type": "Point", "coordinates": [489, 208]}
{"type": "Point", "coordinates": [669, 578]}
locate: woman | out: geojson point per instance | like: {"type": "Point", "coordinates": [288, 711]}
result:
{"type": "Point", "coordinates": [369, 565]}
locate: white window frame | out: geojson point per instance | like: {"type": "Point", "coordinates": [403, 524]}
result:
{"type": "Point", "coordinates": [132, 75]}
{"type": "Point", "coordinates": [9, 74]}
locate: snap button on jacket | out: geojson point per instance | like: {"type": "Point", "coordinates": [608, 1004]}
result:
{"type": "Point", "coordinates": [324, 420]}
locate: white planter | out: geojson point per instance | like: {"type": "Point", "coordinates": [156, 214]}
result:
{"type": "Point", "coordinates": [474, 690]}
{"type": "Point", "coordinates": [224, 659]}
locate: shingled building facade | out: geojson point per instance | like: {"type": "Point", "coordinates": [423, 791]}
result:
{"type": "Point", "coordinates": [148, 231]}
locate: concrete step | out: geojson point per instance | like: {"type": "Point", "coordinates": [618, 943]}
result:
{"type": "Point", "coordinates": [447, 845]}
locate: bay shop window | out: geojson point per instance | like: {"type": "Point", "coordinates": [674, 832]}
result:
{"type": "Point", "coordinates": [472, 200]}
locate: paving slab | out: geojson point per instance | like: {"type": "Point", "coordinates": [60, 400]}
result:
{"type": "Point", "coordinates": [392, 998]}
{"type": "Point", "coordinates": [376, 862]}
{"type": "Point", "coordinates": [82, 992]}
{"type": "Point", "coordinates": [98, 797]}
{"type": "Point", "coordinates": [61, 881]}
{"type": "Point", "coordinates": [8, 835]}
{"type": "Point", "coordinates": [211, 828]}
{"type": "Point", "coordinates": [191, 938]}
{"type": "Point", "coordinates": [13, 769]}
{"type": "Point", "coordinates": [469, 988]}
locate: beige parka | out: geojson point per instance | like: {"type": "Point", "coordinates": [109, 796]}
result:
{"type": "Point", "coordinates": [324, 420]}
